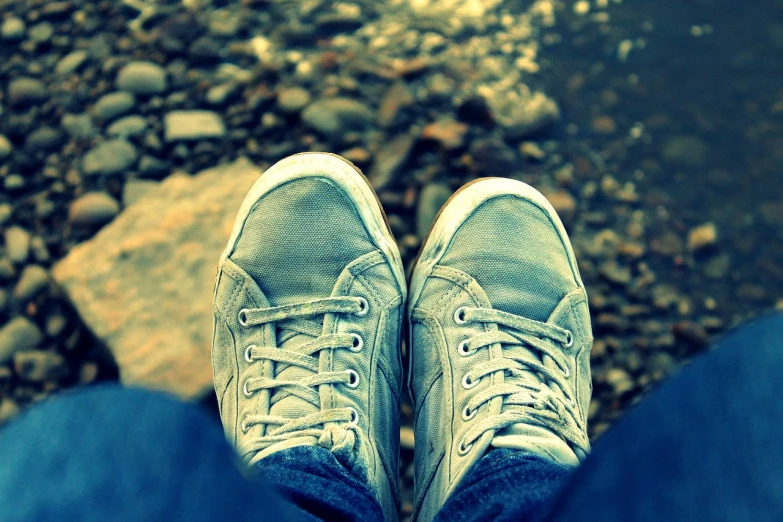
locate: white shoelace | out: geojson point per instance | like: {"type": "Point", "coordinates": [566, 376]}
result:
{"type": "Point", "coordinates": [539, 393]}
{"type": "Point", "coordinates": [292, 320]}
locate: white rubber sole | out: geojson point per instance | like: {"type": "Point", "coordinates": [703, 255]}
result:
{"type": "Point", "coordinates": [345, 176]}
{"type": "Point", "coordinates": [454, 213]}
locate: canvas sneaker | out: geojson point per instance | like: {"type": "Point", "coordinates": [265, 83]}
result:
{"type": "Point", "coordinates": [308, 308]}
{"type": "Point", "coordinates": [500, 338]}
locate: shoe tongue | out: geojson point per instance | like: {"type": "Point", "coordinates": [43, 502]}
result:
{"type": "Point", "coordinates": [292, 406]}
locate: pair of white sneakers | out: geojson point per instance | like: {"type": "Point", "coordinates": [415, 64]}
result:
{"type": "Point", "coordinates": [309, 307]}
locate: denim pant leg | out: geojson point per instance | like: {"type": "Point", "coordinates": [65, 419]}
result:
{"type": "Point", "coordinates": [706, 445]}
{"type": "Point", "coordinates": [111, 453]}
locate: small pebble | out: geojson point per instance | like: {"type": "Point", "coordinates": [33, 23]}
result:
{"type": "Point", "coordinates": [292, 99]}
{"type": "Point", "coordinates": [78, 125]}
{"type": "Point", "coordinates": [564, 204]}
{"type": "Point", "coordinates": [33, 281]}
{"type": "Point", "coordinates": [703, 236]}
{"type": "Point", "coordinates": [128, 126]}
{"type": "Point", "coordinates": [114, 104]}
{"type": "Point", "coordinates": [23, 91]}
{"type": "Point", "coordinates": [93, 209]}
{"type": "Point", "coordinates": [13, 29]}
{"type": "Point", "coordinates": [5, 147]}
{"type": "Point", "coordinates": [17, 244]}
{"type": "Point", "coordinates": [110, 157]}
{"type": "Point", "coordinates": [8, 410]}
{"type": "Point", "coordinates": [18, 334]}
{"type": "Point", "coordinates": [71, 62]}
{"type": "Point", "coordinates": [192, 125]}
{"type": "Point", "coordinates": [406, 437]}
{"type": "Point", "coordinates": [144, 78]}
{"type": "Point", "coordinates": [41, 33]}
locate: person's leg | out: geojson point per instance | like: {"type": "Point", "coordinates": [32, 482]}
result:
{"type": "Point", "coordinates": [110, 453]}
{"type": "Point", "coordinates": [306, 349]}
{"type": "Point", "coordinates": [705, 445]}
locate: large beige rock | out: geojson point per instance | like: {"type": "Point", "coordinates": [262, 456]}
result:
{"type": "Point", "coordinates": [144, 283]}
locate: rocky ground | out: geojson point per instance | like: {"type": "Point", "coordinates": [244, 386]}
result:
{"type": "Point", "coordinates": [106, 105]}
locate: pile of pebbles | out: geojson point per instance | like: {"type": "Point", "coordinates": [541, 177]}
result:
{"type": "Point", "coordinates": [103, 99]}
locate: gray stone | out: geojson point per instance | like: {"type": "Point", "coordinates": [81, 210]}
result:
{"type": "Point", "coordinates": [25, 91]}
{"type": "Point", "coordinates": [43, 139]}
{"type": "Point", "coordinates": [143, 78]}
{"type": "Point", "coordinates": [39, 366]}
{"type": "Point", "coordinates": [17, 244]}
{"type": "Point", "coordinates": [79, 125]}
{"type": "Point", "coordinates": [135, 189]}
{"type": "Point", "coordinates": [110, 157]}
{"type": "Point", "coordinates": [143, 284]}
{"type": "Point", "coordinates": [33, 281]}
{"type": "Point", "coordinates": [5, 147]}
{"type": "Point", "coordinates": [128, 126]}
{"type": "Point", "coordinates": [71, 62]}
{"type": "Point", "coordinates": [17, 335]}
{"type": "Point", "coordinates": [292, 99]}
{"type": "Point", "coordinates": [333, 117]}
{"type": "Point", "coordinates": [93, 210]}
{"type": "Point", "coordinates": [41, 33]}
{"type": "Point", "coordinates": [523, 116]}
{"type": "Point", "coordinates": [192, 125]}
{"type": "Point", "coordinates": [114, 104]}
{"type": "Point", "coordinates": [13, 29]}
{"type": "Point", "coordinates": [431, 198]}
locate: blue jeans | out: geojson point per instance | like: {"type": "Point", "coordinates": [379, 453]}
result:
{"type": "Point", "coordinates": [706, 445]}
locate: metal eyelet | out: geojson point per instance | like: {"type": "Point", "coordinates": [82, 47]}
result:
{"type": "Point", "coordinates": [365, 307]}
{"type": "Point", "coordinates": [468, 414]}
{"type": "Point", "coordinates": [459, 315]}
{"type": "Point", "coordinates": [354, 415]}
{"type": "Point", "coordinates": [462, 349]}
{"type": "Point", "coordinates": [569, 339]}
{"type": "Point", "coordinates": [248, 355]}
{"type": "Point", "coordinates": [245, 391]}
{"type": "Point", "coordinates": [354, 382]}
{"type": "Point", "coordinates": [243, 317]}
{"type": "Point", "coordinates": [463, 450]}
{"type": "Point", "coordinates": [244, 426]}
{"type": "Point", "coordinates": [469, 383]}
{"type": "Point", "coordinates": [358, 343]}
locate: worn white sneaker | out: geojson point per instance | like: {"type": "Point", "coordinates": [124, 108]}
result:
{"type": "Point", "coordinates": [307, 314]}
{"type": "Point", "coordinates": [500, 338]}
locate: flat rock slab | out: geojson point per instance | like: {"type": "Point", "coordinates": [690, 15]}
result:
{"type": "Point", "coordinates": [144, 283]}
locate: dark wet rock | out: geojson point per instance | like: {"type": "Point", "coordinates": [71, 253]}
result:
{"type": "Point", "coordinates": [334, 117]}
{"type": "Point", "coordinates": [39, 366]}
{"type": "Point", "coordinates": [79, 126]}
{"type": "Point", "coordinates": [5, 147]}
{"type": "Point", "coordinates": [291, 100]}
{"type": "Point", "coordinates": [135, 189]}
{"type": "Point", "coordinates": [475, 111]}
{"type": "Point", "coordinates": [493, 157]}
{"type": "Point", "coordinates": [389, 160]}
{"type": "Point", "coordinates": [205, 50]}
{"type": "Point", "coordinates": [449, 133]}
{"type": "Point", "coordinates": [128, 126]}
{"type": "Point", "coordinates": [17, 335]}
{"type": "Point", "coordinates": [396, 98]}
{"type": "Point", "coordinates": [17, 244]}
{"type": "Point", "coordinates": [43, 139]}
{"type": "Point", "coordinates": [135, 309]}
{"type": "Point", "coordinates": [25, 91]}
{"type": "Point", "coordinates": [142, 78]}
{"type": "Point", "coordinates": [93, 209]}
{"type": "Point", "coordinates": [152, 167]}
{"type": "Point", "coordinates": [431, 198]}
{"type": "Point", "coordinates": [109, 157]}
{"type": "Point", "coordinates": [33, 281]}
{"type": "Point", "coordinates": [12, 29]}
{"type": "Point", "coordinates": [112, 105]}
{"type": "Point", "coordinates": [331, 24]}
{"type": "Point", "coordinates": [192, 126]}
{"type": "Point", "coordinates": [71, 62]}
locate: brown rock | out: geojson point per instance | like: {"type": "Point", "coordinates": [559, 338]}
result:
{"type": "Point", "coordinates": [144, 283]}
{"type": "Point", "coordinates": [703, 236]}
{"type": "Point", "coordinates": [449, 133]}
{"type": "Point", "coordinates": [564, 203]}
